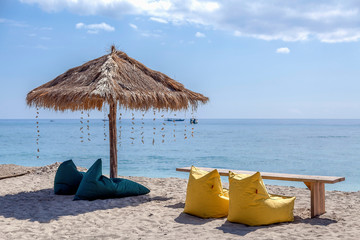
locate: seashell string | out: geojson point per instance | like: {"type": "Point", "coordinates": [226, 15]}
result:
{"type": "Point", "coordinates": [120, 128]}
{"type": "Point", "coordinates": [142, 127]}
{"type": "Point", "coordinates": [105, 111]}
{"type": "Point", "coordinates": [192, 125]}
{"type": "Point", "coordinates": [174, 127]}
{"type": "Point", "coordinates": [154, 127]}
{"type": "Point", "coordinates": [185, 128]}
{"type": "Point", "coordinates": [132, 128]}
{"type": "Point", "coordinates": [88, 126]}
{"type": "Point", "coordinates": [82, 126]}
{"type": "Point", "coordinates": [38, 133]}
{"type": "Point", "coordinates": [163, 128]}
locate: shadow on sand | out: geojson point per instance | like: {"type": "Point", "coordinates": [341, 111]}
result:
{"type": "Point", "coordinates": [242, 230]}
{"type": "Point", "coordinates": [317, 221]}
{"type": "Point", "coordinates": [177, 205]}
{"type": "Point", "coordinates": [44, 206]}
{"type": "Point", "coordinates": [184, 218]}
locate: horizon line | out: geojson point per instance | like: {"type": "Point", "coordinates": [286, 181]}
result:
{"type": "Point", "coordinates": [188, 118]}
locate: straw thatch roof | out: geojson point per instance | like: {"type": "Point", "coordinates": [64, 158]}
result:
{"type": "Point", "coordinates": [115, 77]}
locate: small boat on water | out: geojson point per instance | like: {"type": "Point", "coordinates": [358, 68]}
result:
{"type": "Point", "coordinates": [174, 119]}
{"type": "Point", "coordinates": [193, 121]}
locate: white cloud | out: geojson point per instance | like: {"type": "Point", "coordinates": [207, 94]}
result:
{"type": "Point", "coordinates": [13, 23]}
{"type": "Point", "coordinates": [133, 26]}
{"type": "Point", "coordinates": [237, 33]}
{"type": "Point", "coordinates": [292, 36]}
{"type": "Point", "coordinates": [342, 35]}
{"type": "Point", "coordinates": [283, 50]}
{"type": "Point", "coordinates": [160, 20]}
{"type": "Point", "coordinates": [95, 28]}
{"type": "Point", "coordinates": [199, 35]}
{"type": "Point", "coordinates": [328, 21]}
{"type": "Point", "coordinates": [146, 33]}
{"type": "Point", "coordinates": [79, 25]}
{"type": "Point", "coordinates": [204, 6]}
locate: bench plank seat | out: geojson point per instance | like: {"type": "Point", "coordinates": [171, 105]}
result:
{"type": "Point", "coordinates": [274, 176]}
{"type": "Point", "coordinates": [316, 184]}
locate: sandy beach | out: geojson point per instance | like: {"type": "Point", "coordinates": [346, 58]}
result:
{"type": "Point", "coordinates": [30, 210]}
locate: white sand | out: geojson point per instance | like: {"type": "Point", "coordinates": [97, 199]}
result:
{"type": "Point", "coordinates": [30, 210]}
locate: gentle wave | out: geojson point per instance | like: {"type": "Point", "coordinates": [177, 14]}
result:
{"type": "Point", "coordinates": [313, 147]}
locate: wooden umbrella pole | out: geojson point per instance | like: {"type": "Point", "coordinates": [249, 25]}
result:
{"type": "Point", "coordinates": [113, 140]}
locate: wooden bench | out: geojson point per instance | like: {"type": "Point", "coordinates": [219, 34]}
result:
{"type": "Point", "coordinates": [316, 184]}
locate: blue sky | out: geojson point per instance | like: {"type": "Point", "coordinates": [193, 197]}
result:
{"type": "Point", "coordinates": [253, 59]}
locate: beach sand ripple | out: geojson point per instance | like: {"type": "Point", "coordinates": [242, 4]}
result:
{"type": "Point", "coordinates": [30, 210]}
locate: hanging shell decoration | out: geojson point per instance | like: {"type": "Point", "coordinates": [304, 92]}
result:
{"type": "Point", "coordinates": [82, 127]}
{"type": "Point", "coordinates": [174, 127]}
{"type": "Point", "coordinates": [105, 110]}
{"type": "Point", "coordinates": [38, 133]}
{"type": "Point", "coordinates": [163, 129]}
{"type": "Point", "coordinates": [120, 116]}
{"type": "Point", "coordinates": [142, 127]}
{"type": "Point", "coordinates": [154, 128]}
{"type": "Point", "coordinates": [185, 128]}
{"type": "Point", "coordinates": [132, 128]}
{"type": "Point", "coordinates": [192, 127]}
{"type": "Point", "coordinates": [88, 126]}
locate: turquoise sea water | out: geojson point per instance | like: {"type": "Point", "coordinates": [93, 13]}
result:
{"type": "Point", "coordinates": [314, 147]}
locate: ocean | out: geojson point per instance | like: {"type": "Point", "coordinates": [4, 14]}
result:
{"type": "Point", "coordinates": [311, 147]}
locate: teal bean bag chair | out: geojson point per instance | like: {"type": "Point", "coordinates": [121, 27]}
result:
{"type": "Point", "coordinates": [96, 186]}
{"type": "Point", "coordinates": [67, 179]}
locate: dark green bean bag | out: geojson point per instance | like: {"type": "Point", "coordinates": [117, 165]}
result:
{"type": "Point", "coordinates": [67, 179]}
{"type": "Point", "coordinates": [96, 186]}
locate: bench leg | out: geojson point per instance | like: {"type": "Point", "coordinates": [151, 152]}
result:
{"type": "Point", "coordinates": [317, 198]}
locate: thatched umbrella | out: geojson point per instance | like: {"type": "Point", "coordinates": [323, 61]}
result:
{"type": "Point", "coordinates": [117, 80]}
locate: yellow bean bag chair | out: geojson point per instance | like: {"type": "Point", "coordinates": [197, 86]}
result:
{"type": "Point", "coordinates": [251, 204]}
{"type": "Point", "coordinates": [205, 196]}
